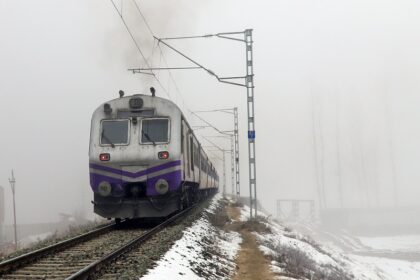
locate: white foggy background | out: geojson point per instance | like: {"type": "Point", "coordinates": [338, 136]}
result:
{"type": "Point", "coordinates": [59, 60]}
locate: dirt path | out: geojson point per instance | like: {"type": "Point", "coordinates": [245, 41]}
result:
{"type": "Point", "coordinates": [252, 265]}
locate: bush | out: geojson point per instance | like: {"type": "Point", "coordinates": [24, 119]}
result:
{"type": "Point", "coordinates": [257, 226]}
{"type": "Point", "coordinates": [219, 217]}
{"type": "Point", "coordinates": [296, 263]}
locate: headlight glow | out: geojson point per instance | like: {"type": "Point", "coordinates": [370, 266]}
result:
{"type": "Point", "coordinates": [104, 188]}
{"type": "Point", "coordinates": [162, 186]}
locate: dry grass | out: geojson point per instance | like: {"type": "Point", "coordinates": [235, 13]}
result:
{"type": "Point", "coordinates": [219, 217]}
{"type": "Point", "coordinates": [296, 263]}
{"type": "Point", "coordinates": [236, 204]}
{"type": "Point", "coordinates": [256, 226]}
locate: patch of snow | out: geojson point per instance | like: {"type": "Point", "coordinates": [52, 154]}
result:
{"type": "Point", "coordinates": [407, 243]}
{"type": "Point", "coordinates": [375, 268]}
{"type": "Point", "coordinates": [189, 254]}
{"type": "Point", "coordinates": [245, 211]}
{"type": "Point", "coordinates": [340, 246]}
{"type": "Point", "coordinates": [280, 238]}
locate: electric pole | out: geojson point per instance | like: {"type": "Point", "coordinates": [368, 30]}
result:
{"type": "Point", "coordinates": [12, 182]}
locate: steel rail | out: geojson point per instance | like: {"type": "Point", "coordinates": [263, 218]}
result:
{"type": "Point", "coordinates": [17, 262]}
{"type": "Point", "coordinates": [94, 268]}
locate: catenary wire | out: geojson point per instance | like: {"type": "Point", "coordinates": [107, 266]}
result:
{"type": "Point", "coordinates": [162, 56]}
{"type": "Point", "coordinates": [139, 49]}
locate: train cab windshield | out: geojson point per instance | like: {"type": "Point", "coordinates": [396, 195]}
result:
{"type": "Point", "coordinates": [155, 131]}
{"type": "Point", "coordinates": [114, 132]}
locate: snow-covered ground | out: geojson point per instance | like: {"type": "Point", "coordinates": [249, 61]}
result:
{"type": "Point", "coordinates": [329, 255]}
{"type": "Point", "coordinates": [401, 243]}
{"type": "Point", "coordinates": [204, 252]}
{"type": "Point", "coordinates": [385, 268]}
{"type": "Point", "coordinates": [294, 253]}
{"type": "Point", "coordinates": [397, 256]}
{"type": "Point", "coordinates": [207, 252]}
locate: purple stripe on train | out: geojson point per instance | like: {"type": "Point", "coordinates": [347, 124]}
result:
{"type": "Point", "coordinates": [174, 179]}
{"type": "Point", "coordinates": [135, 174]}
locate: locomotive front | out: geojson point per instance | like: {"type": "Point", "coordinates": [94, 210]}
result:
{"type": "Point", "coordinates": [135, 157]}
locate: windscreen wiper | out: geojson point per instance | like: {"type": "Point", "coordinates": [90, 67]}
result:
{"type": "Point", "coordinates": [107, 139]}
{"type": "Point", "coordinates": [148, 137]}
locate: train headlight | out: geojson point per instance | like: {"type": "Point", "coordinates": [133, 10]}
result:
{"type": "Point", "coordinates": [104, 188]}
{"type": "Point", "coordinates": [162, 186]}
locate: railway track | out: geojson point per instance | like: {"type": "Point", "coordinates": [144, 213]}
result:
{"type": "Point", "coordinates": [82, 257]}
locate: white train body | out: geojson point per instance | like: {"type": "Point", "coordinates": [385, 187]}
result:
{"type": "Point", "coordinates": [144, 159]}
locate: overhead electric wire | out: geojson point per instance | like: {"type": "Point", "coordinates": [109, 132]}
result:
{"type": "Point", "coordinates": [214, 145]}
{"type": "Point", "coordinates": [209, 124]}
{"type": "Point", "coordinates": [131, 34]}
{"type": "Point", "coordinates": [217, 110]}
{"type": "Point", "coordinates": [161, 51]}
{"type": "Point", "coordinates": [143, 17]}
{"type": "Point", "coordinates": [162, 56]}
{"type": "Point", "coordinates": [139, 49]}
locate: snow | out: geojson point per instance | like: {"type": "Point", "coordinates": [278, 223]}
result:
{"type": "Point", "coordinates": [282, 238]}
{"type": "Point", "coordinates": [272, 244]}
{"type": "Point", "coordinates": [376, 268]}
{"type": "Point", "coordinates": [407, 243]}
{"type": "Point", "coordinates": [189, 254]}
{"type": "Point", "coordinates": [380, 268]}
{"type": "Point", "coordinates": [361, 267]}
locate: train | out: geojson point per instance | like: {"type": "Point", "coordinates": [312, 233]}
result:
{"type": "Point", "coordinates": [145, 160]}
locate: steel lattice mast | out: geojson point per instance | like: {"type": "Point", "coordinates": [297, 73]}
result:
{"type": "Point", "coordinates": [249, 80]}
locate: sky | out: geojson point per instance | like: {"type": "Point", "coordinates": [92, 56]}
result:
{"type": "Point", "coordinates": [336, 94]}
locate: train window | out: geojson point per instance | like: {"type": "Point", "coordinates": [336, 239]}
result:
{"type": "Point", "coordinates": [114, 132]}
{"type": "Point", "coordinates": [196, 156]}
{"type": "Point", "coordinates": [192, 153]}
{"type": "Point", "coordinates": [155, 131]}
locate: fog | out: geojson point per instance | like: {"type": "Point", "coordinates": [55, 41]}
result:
{"type": "Point", "coordinates": [337, 93]}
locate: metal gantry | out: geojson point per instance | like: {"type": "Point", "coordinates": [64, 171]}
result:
{"type": "Point", "coordinates": [213, 145]}
{"type": "Point", "coordinates": [248, 83]}
{"type": "Point", "coordinates": [234, 135]}
{"type": "Point", "coordinates": [232, 165]}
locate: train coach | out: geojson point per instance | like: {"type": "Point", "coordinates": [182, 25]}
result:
{"type": "Point", "coordinates": [144, 159]}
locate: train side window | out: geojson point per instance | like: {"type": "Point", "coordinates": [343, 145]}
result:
{"type": "Point", "coordinates": [182, 138]}
{"type": "Point", "coordinates": [154, 131]}
{"type": "Point", "coordinates": [196, 156]}
{"type": "Point", "coordinates": [114, 132]}
{"type": "Point", "coordinates": [192, 153]}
